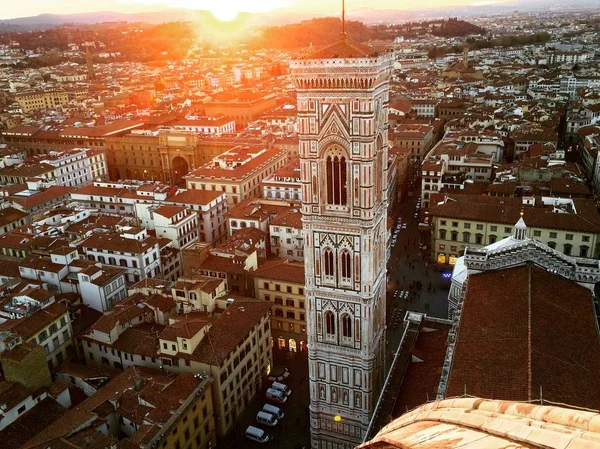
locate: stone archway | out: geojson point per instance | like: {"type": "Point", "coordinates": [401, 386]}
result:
{"type": "Point", "coordinates": [179, 168]}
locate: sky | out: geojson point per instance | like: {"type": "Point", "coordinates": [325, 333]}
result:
{"type": "Point", "coordinates": [11, 9]}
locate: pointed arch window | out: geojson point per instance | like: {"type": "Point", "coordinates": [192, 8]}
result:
{"type": "Point", "coordinates": [346, 262]}
{"type": "Point", "coordinates": [346, 326]}
{"type": "Point", "coordinates": [337, 181]}
{"type": "Point", "coordinates": [328, 263]}
{"type": "Point", "coordinates": [329, 323]}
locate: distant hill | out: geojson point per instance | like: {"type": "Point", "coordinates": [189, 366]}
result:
{"type": "Point", "coordinates": [288, 16]}
{"type": "Point", "coordinates": [44, 21]}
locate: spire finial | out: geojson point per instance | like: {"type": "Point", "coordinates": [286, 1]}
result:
{"type": "Point", "coordinates": [343, 34]}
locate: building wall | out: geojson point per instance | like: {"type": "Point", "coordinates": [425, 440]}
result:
{"type": "Point", "coordinates": [195, 427]}
{"type": "Point", "coordinates": [102, 297]}
{"type": "Point", "coordinates": [287, 243]}
{"type": "Point", "coordinates": [57, 341]}
{"type": "Point", "coordinates": [32, 372]}
{"type": "Point", "coordinates": [239, 378]}
{"type": "Point", "coordinates": [288, 316]}
{"type": "Point", "coordinates": [446, 250]}
{"type": "Point", "coordinates": [237, 190]}
{"type": "Point", "coordinates": [136, 265]}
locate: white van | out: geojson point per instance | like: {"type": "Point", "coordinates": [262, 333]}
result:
{"type": "Point", "coordinates": [275, 411]}
{"type": "Point", "coordinates": [266, 418]}
{"type": "Point", "coordinates": [281, 387]}
{"type": "Point", "coordinates": [276, 395]}
{"type": "Point", "coordinates": [256, 434]}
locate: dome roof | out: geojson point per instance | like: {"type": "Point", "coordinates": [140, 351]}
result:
{"type": "Point", "coordinates": [469, 423]}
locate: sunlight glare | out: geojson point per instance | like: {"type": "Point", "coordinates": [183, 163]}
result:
{"type": "Point", "coordinates": [223, 13]}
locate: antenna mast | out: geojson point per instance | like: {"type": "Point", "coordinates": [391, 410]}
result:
{"type": "Point", "coordinates": [343, 19]}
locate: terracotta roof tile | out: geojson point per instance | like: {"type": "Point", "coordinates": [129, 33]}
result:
{"type": "Point", "coordinates": [230, 329]}
{"type": "Point", "coordinates": [522, 329]}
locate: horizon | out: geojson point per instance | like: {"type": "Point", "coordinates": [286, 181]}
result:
{"type": "Point", "coordinates": [226, 10]}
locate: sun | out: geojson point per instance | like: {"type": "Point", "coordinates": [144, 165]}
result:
{"type": "Point", "coordinates": [223, 13]}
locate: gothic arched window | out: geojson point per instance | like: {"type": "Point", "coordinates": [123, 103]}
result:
{"type": "Point", "coordinates": [346, 326]}
{"type": "Point", "coordinates": [346, 261]}
{"type": "Point", "coordinates": [337, 181]}
{"type": "Point", "coordinates": [329, 323]}
{"type": "Point", "coordinates": [328, 263]}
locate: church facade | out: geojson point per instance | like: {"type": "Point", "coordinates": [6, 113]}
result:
{"type": "Point", "coordinates": [343, 97]}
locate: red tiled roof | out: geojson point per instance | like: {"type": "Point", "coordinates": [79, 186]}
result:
{"type": "Point", "coordinates": [524, 331]}
{"type": "Point", "coordinates": [230, 329]}
{"type": "Point", "coordinates": [30, 424]}
{"type": "Point", "coordinates": [422, 376]}
{"type": "Point", "coordinates": [31, 325]}
{"type": "Point", "coordinates": [344, 49]}
{"type": "Point", "coordinates": [281, 270]}
{"type": "Point", "coordinates": [164, 392]}
{"type": "Point", "coordinates": [169, 211]}
{"type": "Point", "coordinates": [41, 197]}
{"type": "Point", "coordinates": [115, 242]}
{"type": "Point", "coordinates": [191, 196]}
{"type": "Point", "coordinates": [508, 210]}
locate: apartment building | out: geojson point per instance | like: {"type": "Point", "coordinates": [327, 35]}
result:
{"type": "Point", "coordinates": [49, 327]}
{"type": "Point", "coordinates": [32, 101]}
{"type": "Point", "coordinates": [287, 240]}
{"type": "Point", "coordinates": [206, 125]}
{"type": "Point", "coordinates": [255, 213]}
{"type": "Point", "coordinates": [282, 283]}
{"type": "Point", "coordinates": [237, 173]}
{"type": "Point", "coordinates": [424, 108]}
{"type": "Point", "coordinates": [136, 199]}
{"type": "Point", "coordinates": [101, 287]}
{"type": "Point", "coordinates": [456, 160]}
{"type": "Point", "coordinates": [284, 184]}
{"type": "Point", "coordinates": [235, 349]}
{"type": "Point", "coordinates": [32, 197]}
{"type": "Point", "coordinates": [570, 226]}
{"type": "Point", "coordinates": [127, 334]}
{"type": "Point", "coordinates": [526, 137]}
{"type": "Point", "coordinates": [244, 107]}
{"type": "Point", "coordinates": [131, 248]}
{"type": "Point", "coordinates": [176, 223]}
{"type": "Point", "coordinates": [197, 293]}
{"type": "Point", "coordinates": [11, 218]}
{"type": "Point", "coordinates": [431, 179]}
{"type": "Point", "coordinates": [77, 167]}
{"type": "Point", "coordinates": [418, 138]}
{"type": "Point", "coordinates": [162, 410]}
{"type": "Point", "coordinates": [21, 173]}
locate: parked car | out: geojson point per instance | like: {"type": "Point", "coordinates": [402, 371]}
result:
{"type": "Point", "coordinates": [276, 396]}
{"type": "Point", "coordinates": [281, 387]}
{"type": "Point", "coordinates": [256, 434]}
{"type": "Point", "coordinates": [266, 418]}
{"type": "Point", "coordinates": [275, 411]}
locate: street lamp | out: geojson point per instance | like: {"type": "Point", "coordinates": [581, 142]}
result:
{"type": "Point", "coordinates": [337, 418]}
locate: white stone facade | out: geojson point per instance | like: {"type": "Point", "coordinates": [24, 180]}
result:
{"type": "Point", "coordinates": [343, 127]}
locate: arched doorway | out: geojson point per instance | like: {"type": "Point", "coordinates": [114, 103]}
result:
{"type": "Point", "coordinates": [292, 345]}
{"type": "Point", "coordinates": [179, 168]}
{"type": "Point", "coordinates": [302, 346]}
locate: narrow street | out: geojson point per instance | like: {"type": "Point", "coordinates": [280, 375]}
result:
{"type": "Point", "coordinates": [410, 271]}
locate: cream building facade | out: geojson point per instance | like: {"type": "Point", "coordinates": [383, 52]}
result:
{"type": "Point", "coordinates": [570, 226]}
{"type": "Point", "coordinates": [343, 98]}
{"type": "Point", "coordinates": [282, 283]}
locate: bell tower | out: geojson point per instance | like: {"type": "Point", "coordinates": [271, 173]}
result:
{"type": "Point", "coordinates": [343, 96]}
